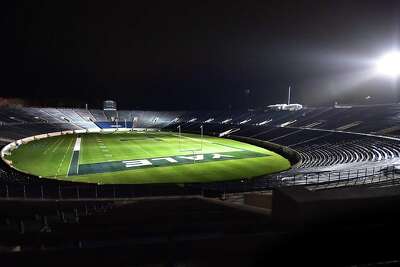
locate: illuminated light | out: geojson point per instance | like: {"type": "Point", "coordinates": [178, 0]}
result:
{"type": "Point", "coordinates": [264, 122]}
{"type": "Point", "coordinates": [389, 64]}
{"type": "Point", "coordinates": [245, 121]}
{"type": "Point", "coordinates": [226, 121]}
{"type": "Point", "coordinates": [229, 132]}
{"type": "Point", "coordinates": [287, 123]}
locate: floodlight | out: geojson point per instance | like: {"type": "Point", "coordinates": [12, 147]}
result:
{"type": "Point", "coordinates": [389, 64]}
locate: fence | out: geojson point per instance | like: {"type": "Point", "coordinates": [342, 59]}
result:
{"type": "Point", "coordinates": [320, 180]}
{"type": "Point", "coordinates": [314, 181]}
{"type": "Point", "coordinates": [61, 191]}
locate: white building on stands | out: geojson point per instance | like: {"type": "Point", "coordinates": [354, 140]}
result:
{"type": "Point", "coordinates": [288, 106]}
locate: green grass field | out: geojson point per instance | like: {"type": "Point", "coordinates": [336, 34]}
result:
{"type": "Point", "coordinates": [144, 157]}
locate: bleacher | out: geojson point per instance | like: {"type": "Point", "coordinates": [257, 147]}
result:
{"type": "Point", "coordinates": [304, 130]}
{"type": "Point", "coordinates": [49, 216]}
{"type": "Point", "coordinates": [98, 115]}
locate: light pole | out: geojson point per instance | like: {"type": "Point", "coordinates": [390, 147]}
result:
{"type": "Point", "coordinates": [179, 130]}
{"type": "Point", "coordinates": [201, 133]}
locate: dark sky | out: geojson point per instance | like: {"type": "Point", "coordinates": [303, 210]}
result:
{"type": "Point", "coordinates": [195, 54]}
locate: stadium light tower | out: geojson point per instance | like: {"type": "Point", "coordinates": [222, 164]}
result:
{"type": "Point", "coordinates": [389, 64]}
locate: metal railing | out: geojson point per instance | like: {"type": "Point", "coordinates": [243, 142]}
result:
{"type": "Point", "coordinates": [314, 181]}
{"type": "Point", "coordinates": [333, 179]}
{"type": "Point", "coordinates": [80, 192]}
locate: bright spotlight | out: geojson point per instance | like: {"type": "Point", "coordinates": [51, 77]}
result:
{"type": "Point", "coordinates": [389, 64]}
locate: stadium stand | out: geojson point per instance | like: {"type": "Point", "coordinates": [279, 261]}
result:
{"type": "Point", "coordinates": [339, 148]}
{"type": "Point", "coordinates": [98, 115]}
{"type": "Point", "coordinates": [302, 130]}
{"type": "Point", "coordinates": [76, 119]}
{"type": "Point", "coordinates": [313, 133]}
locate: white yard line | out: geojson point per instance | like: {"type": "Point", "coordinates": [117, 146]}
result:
{"type": "Point", "coordinates": [51, 145]}
{"type": "Point", "coordinates": [139, 146]}
{"type": "Point", "coordinates": [206, 141]}
{"type": "Point", "coordinates": [194, 139]}
{"type": "Point", "coordinates": [104, 149]}
{"type": "Point", "coordinates": [54, 149]}
{"type": "Point", "coordinates": [65, 154]}
{"type": "Point", "coordinates": [78, 147]}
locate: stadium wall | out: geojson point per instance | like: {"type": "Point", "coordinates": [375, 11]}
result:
{"type": "Point", "coordinates": [113, 125]}
{"type": "Point", "coordinates": [288, 153]}
{"type": "Point", "coordinates": [297, 207]}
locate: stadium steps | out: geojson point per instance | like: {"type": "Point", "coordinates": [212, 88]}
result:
{"type": "Point", "coordinates": [98, 115]}
{"type": "Point", "coordinates": [85, 115]}
{"type": "Point", "coordinates": [347, 152]}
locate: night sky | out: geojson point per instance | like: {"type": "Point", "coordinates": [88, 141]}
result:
{"type": "Point", "coordinates": [196, 54]}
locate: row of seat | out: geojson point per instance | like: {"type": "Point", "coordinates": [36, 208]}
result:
{"type": "Point", "coordinates": [355, 118]}
{"type": "Point", "coordinates": [21, 222]}
{"type": "Point", "coordinates": [317, 148]}
{"type": "Point", "coordinates": [330, 154]}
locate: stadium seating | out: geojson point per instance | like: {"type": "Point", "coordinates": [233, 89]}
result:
{"type": "Point", "coordinates": [50, 214]}
{"type": "Point", "coordinates": [323, 136]}
{"type": "Point", "coordinates": [98, 115]}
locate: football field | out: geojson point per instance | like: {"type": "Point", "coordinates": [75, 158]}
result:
{"type": "Point", "coordinates": [144, 157]}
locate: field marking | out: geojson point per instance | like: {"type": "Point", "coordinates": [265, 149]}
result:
{"type": "Point", "coordinates": [194, 139]}
{"type": "Point", "coordinates": [75, 152]}
{"type": "Point", "coordinates": [70, 162]}
{"type": "Point", "coordinates": [54, 149]}
{"type": "Point", "coordinates": [235, 148]}
{"type": "Point", "coordinates": [77, 146]}
{"type": "Point", "coordinates": [210, 142]}
{"type": "Point", "coordinates": [48, 146]}
{"type": "Point", "coordinates": [141, 148]}
{"type": "Point", "coordinates": [103, 148]}
{"type": "Point", "coordinates": [117, 166]}
{"type": "Point", "coordinates": [65, 153]}
{"type": "Point", "coordinates": [51, 145]}
{"type": "Point", "coordinates": [59, 166]}
{"type": "Point", "coordinates": [206, 141]}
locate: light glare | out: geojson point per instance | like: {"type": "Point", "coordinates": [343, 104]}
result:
{"type": "Point", "coordinates": [389, 64]}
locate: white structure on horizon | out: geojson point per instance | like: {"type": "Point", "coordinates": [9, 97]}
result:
{"type": "Point", "coordinates": [109, 105]}
{"type": "Point", "coordinates": [288, 106]}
